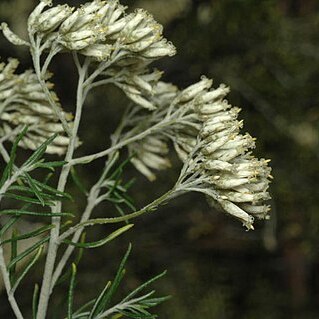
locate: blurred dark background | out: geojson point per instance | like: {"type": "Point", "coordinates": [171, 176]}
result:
{"type": "Point", "coordinates": [268, 53]}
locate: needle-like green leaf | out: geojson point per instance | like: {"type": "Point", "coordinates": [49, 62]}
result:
{"type": "Point", "coordinates": [35, 298]}
{"type": "Point", "coordinates": [31, 234]}
{"type": "Point", "coordinates": [27, 268]}
{"type": "Point", "coordinates": [71, 291]}
{"type": "Point", "coordinates": [27, 252]}
{"type": "Point", "coordinates": [101, 242]}
{"type": "Point", "coordinates": [19, 212]}
{"type": "Point", "coordinates": [105, 297]}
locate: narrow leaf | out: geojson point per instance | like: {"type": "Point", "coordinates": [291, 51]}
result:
{"type": "Point", "coordinates": [40, 151]}
{"type": "Point", "coordinates": [14, 251]}
{"type": "Point", "coordinates": [8, 169]}
{"type": "Point", "coordinates": [50, 165]}
{"type": "Point", "coordinates": [143, 286]}
{"type": "Point", "coordinates": [152, 302]}
{"type": "Point", "coordinates": [27, 252]}
{"type": "Point", "coordinates": [34, 188]}
{"type": "Point", "coordinates": [71, 291]}
{"type": "Point", "coordinates": [34, 233]}
{"type": "Point", "coordinates": [35, 298]}
{"type": "Point", "coordinates": [27, 268]}
{"type": "Point", "coordinates": [100, 299]}
{"type": "Point", "coordinates": [105, 300]}
{"type": "Point", "coordinates": [28, 199]}
{"type": "Point", "coordinates": [8, 225]}
{"type": "Point", "coordinates": [52, 190]}
{"type": "Point", "coordinates": [101, 242]}
{"type": "Point", "coordinates": [77, 181]}
{"type": "Point", "coordinates": [18, 212]}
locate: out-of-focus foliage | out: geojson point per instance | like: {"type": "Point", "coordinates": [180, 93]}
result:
{"type": "Point", "coordinates": [176, 9]}
{"type": "Point", "coordinates": [268, 53]}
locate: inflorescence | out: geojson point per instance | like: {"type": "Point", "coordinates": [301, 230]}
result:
{"type": "Point", "coordinates": [198, 121]}
{"type": "Point", "coordinates": [23, 102]}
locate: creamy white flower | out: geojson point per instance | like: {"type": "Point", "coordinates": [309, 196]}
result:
{"type": "Point", "coordinates": [137, 83]}
{"type": "Point", "coordinates": [98, 51]}
{"type": "Point", "coordinates": [22, 102]}
{"type": "Point", "coordinates": [192, 91]}
{"type": "Point", "coordinates": [36, 13]}
{"type": "Point", "coordinates": [228, 172]}
{"type": "Point", "coordinates": [238, 213]}
{"type": "Point", "coordinates": [150, 154]}
{"type": "Point", "coordinates": [11, 36]}
{"type": "Point", "coordinates": [143, 35]}
{"type": "Point", "coordinates": [52, 18]}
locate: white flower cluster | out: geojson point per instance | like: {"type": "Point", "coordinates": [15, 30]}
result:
{"type": "Point", "coordinates": [200, 123]}
{"type": "Point", "coordinates": [150, 154]}
{"type": "Point", "coordinates": [238, 180]}
{"type": "Point", "coordinates": [99, 28]}
{"type": "Point", "coordinates": [199, 118]}
{"type": "Point", "coordinates": [22, 102]}
{"type": "Point", "coordinates": [138, 84]}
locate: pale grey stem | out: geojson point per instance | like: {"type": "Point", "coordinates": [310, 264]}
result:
{"type": "Point", "coordinates": [89, 158]}
{"type": "Point", "coordinates": [7, 285]}
{"type": "Point", "coordinates": [85, 216]}
{"type": "Point", "coordinates": [92, 201]}
{"type": "Point", "coordinates": [14, 132]}
{"type": "Point", "coordinates": [113, 220]}
{"type": "Point", "coordinates": [56, 221]}
{"type": "Point", "coordinates": [103, 66]}
{"type": "Point", "coordinates": [101, 82]}
{"type": "Point", "coordinates": [4, 153]}
{"type": "Point", "coordinates": [35, 53]}
{"type": "Point", "coordinates": [54, 51]}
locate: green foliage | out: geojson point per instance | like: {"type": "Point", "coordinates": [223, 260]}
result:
{"type": "Point", "coordinates": [20, 186]}
{"type": "Point", "coordinates": [103, 241]}
{"type": "Point", "coordinates": [129, 307]}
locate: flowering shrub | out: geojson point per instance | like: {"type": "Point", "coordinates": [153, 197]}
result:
{"type": "Point", "coordinates": [111, 47]}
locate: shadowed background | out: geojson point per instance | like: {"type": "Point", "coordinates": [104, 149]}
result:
{"type": "Point", "coordinates": [268, 53]}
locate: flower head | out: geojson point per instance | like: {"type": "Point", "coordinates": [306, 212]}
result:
{"type": "Point", "coordinates": [99, 28]}
{"type": "Point", "coordinates": [22, 102]}
{"type": "Point", "coordinates": [225, 168]}
{"type": "Point", "coordinates": [150, 154]}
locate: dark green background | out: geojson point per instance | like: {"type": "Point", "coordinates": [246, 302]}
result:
{"type": "Point", "coordinates": [268, 53]}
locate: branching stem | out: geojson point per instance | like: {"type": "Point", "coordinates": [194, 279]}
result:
{"type": "Point", "coordinates": [56, 221]}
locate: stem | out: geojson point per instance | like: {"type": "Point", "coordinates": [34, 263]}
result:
{"type": "Point", "coordinates": [113, 220]}
{"type": "Point", "coordinates": [11, 134]}
{"type": "Point", "coordinates": [85, 216]}
{"type": "Point", "coordinates": [56, 221]}
{"type": "Point", "coordinates": [54, 50]}
{"type": "Point", "coordinates": [91, 202]}
{"type": "Point", "coordinates": [35, 53]}
{"type": "Point", "coordinates": [104, 65]}
{"type": "Point", "coordinates": [120, 306]}
{"type": "Point", "coordinates": [7, 285]}
{"type": "Point", "coordinates": [89, 158]}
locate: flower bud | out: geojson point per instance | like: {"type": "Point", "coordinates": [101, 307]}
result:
{"type": "Point", "coordinates": [12, 37]}
{"type": "Point", "coordinates": [238, 213]}
{"type": "Point", "coordinates": [100, 52]}
{"type": "Point", "coordinates": [195, 89]}
{"type": "Point", "coordinates": [35, 14]}
{"type": "Point", "coordinates": [52, 18]}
